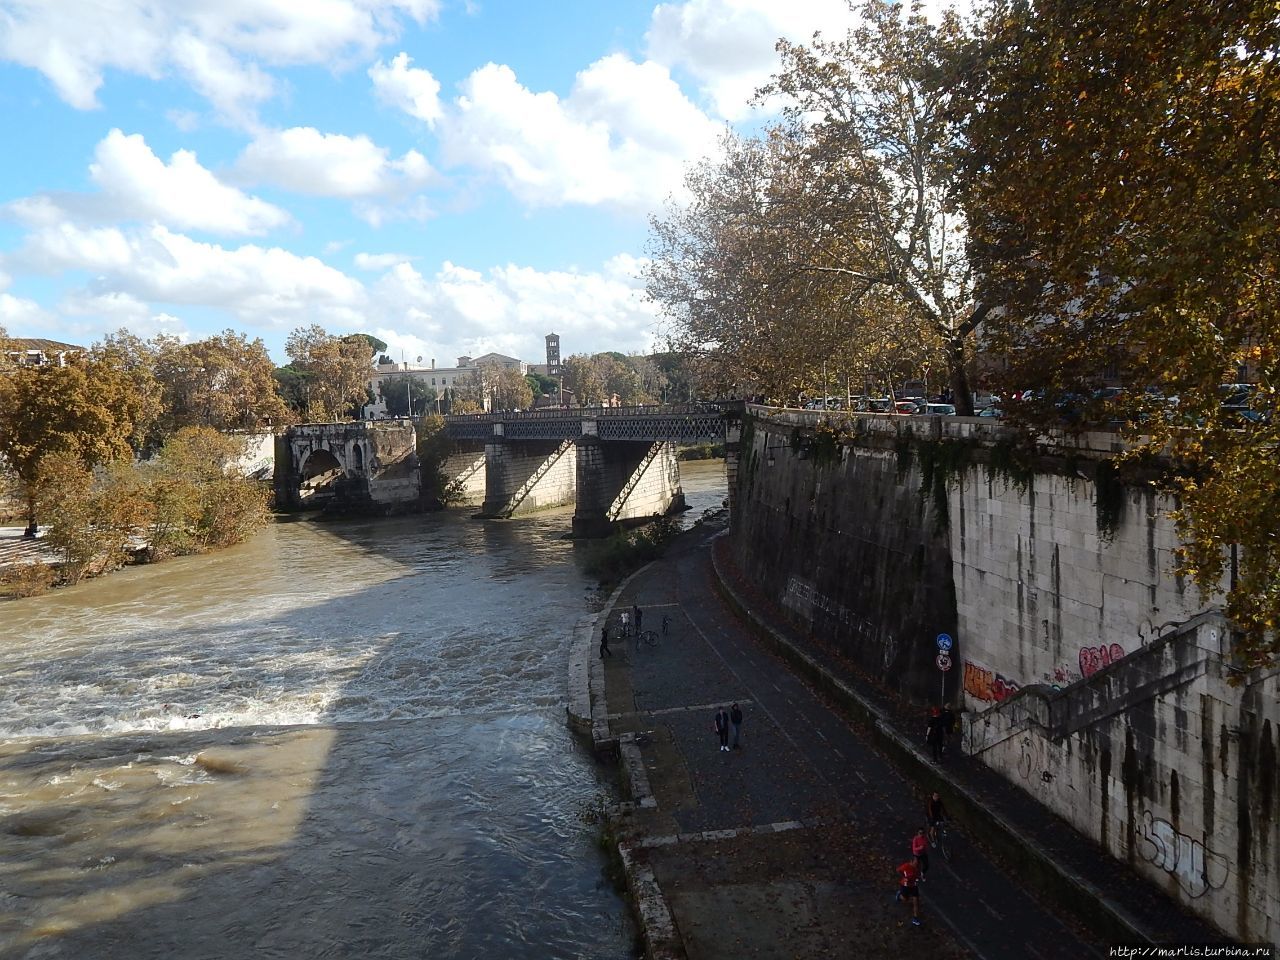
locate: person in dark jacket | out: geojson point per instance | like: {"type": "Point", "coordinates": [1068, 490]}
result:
{"type": "Point", "coordinates": [722, 728]}
{"type": "Point", "coordinates": [735, 719]}
{"type": "Point", "coordinates": [933, 734]}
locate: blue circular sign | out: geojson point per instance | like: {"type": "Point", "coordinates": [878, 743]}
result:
{"type": "Point", "coordinates": [944, 641]}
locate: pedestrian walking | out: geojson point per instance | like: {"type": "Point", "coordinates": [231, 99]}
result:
{"type": "Point", "coordinates": [920, 850]}
{"type": "Point", "coordinates": [623, 618]}
{"type": "Point", "coordinates": [604, 643]}
{"type": "Point", "coordinates": [735, 719]}
{"type": "Point", "coordinates": [666, 624]}
{"type": "Point", "coordinates": [948, 727]}
{"type": "Point", "coordinates": [637, 614]}
{"type": "Point", "coordinates": [909, 890]}
{"type": "Point", "coordinates": [933, 734]}
{"type": "Point", "coordinates": [722, 728]}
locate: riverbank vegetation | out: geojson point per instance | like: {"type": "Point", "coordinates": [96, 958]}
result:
{"type": "Point", "coordinates": [613, 558]}
{"type": "Point", "coordinates": [1052, 198]}
{"type": "Point", "coordinates": [190, 498]}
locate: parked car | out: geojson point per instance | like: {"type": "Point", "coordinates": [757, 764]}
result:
{"type": "Point", "coordinates": [939, 410]}
{"type": "Point", "coordinates": [906, 406]}
{"type": "Point", "coordinates": [992, 412]}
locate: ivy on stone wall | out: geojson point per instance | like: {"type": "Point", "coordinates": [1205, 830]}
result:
{"type": "Point", "coordinates": [1011, 459]}
{"type": "Point", "coordinates": [942, 462]}
{"type": "Point", "coordinates": [903, 452]}
{"type": "Point", "coordinates": [1108, 499]}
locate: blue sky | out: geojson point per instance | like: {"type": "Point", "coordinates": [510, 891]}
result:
{"type": "Point", "coordinates": [454, 177]}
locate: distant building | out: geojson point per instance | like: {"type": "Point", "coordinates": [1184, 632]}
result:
{"type": "Point", "coordinates": [40, 353]}
{"type": "Point", "coordinates": [439, 379]}
{"type": "Point", "coordinates": [498, 360]}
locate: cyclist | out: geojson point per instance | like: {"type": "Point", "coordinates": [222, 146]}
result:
{"type": "Point", "coordinates": [935, 812]}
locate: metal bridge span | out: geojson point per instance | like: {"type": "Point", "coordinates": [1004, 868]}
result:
{"type": "Point", "coordinates": [615, 464]}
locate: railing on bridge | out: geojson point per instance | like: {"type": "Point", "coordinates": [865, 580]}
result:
{"type": "Point", "coordinates": [682, 422]}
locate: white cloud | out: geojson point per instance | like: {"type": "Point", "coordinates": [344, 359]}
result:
{"type": "Point", "coordinates": [19, 315]}
{"type": "Point", "coordinates": [135, 184]}
{"type": "Point", "coordinates": [411, 89]}
{"type": "Point", "coordinates": [511, 308]}
{"type": "Point", "coordinates": [380, 261]}
{"type": "Point", "coordinates": [258, 285]}
{"type": "Point", "coordinates": [138, 184]}
{"type": "Point", "coordinates": [305, 160]}
{"type": "Point", "coordinates": [621, 137]}
{"type": "Point", "coordinates": [728, 45]}
{"type": "Point", "coordinates": [221, 47]}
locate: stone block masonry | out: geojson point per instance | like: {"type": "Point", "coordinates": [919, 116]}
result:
{"type": "Point", "coordinates": [1079, 684]}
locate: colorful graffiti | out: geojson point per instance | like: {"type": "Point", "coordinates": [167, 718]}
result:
{"type": "Point", "coordinates": [983, 684]}
{"type": "Point", "coordinates": [1093, 659]}
{"type": "Point", "coordinates": [1061, 676]}
{"type": "Point", "coordinates": [1197, 868]}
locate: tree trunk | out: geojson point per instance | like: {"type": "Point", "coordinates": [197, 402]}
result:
{"type": "Point", "coordinates": [961, 396]}
{"type": "Point", "coordinates": [32, 527]}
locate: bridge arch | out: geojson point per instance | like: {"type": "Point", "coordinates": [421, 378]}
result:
{"type": "Point", "coordinates": [319, 475]}
{"type": "Point", "coordinates": [357, 458]}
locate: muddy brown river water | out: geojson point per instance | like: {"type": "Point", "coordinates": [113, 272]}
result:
{"type": "Point", "coordinates": [337, 740]}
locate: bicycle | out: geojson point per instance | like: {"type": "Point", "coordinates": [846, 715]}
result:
{"type": "Point", "coordinates": [647, 636]}
{"type": "Point", "coordinates": [940, 838]}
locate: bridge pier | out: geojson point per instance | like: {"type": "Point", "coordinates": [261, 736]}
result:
{"type": "Point", "coordinates": [521, 476]}
{"type": "Point", "coordinates": [465, 467]}
{"type": "Point", "coordinates": [619, 481]}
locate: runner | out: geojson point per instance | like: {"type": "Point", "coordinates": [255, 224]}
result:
{"type": "Point", "coordinates": [909, 889]}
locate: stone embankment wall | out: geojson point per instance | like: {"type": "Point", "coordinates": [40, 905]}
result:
{"type": "Point", "coordinates": [1089, 675]}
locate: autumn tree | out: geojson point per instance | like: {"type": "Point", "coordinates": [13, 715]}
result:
{"type": "Point", "coordinates": [400, 391]}
{"type": "Point", "coordinates": [334, 372]}
{"type": "Point", "coordinates": [224, 382]}
{"type": "Point", "coordinates": [88, 409]}
{"type": "Point", "coordinates": [508, 389]}
{"type": "Point", "coordinates": [136, 358]}
{"type": "Point", "coordinates": [583, 376]}
{"type": "Point", "coordinates": [1122, 196]}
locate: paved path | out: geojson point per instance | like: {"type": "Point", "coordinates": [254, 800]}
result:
{"type": "Point", "coordinates": [832, 816]}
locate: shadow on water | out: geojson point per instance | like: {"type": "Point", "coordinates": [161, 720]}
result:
{"type": "Point", "coordinates": [340, 741]}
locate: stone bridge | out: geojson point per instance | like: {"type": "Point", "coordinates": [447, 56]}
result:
{"type": "Point", "coordinates": [615, 464]}
{"type": "Point", "coordinates": [362, 467]}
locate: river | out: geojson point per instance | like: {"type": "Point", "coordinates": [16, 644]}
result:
{"type": "Point", "coordinates": [336, 740]}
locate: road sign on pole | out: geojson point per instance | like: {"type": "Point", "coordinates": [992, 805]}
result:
{"type": "Point", "coordinates": [944, 642]}
{"type": "Point", "coordinates": [944, 662]}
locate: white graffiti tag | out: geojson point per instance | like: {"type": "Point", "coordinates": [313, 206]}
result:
{"type": "Point", "coordinates": [1197, 868]}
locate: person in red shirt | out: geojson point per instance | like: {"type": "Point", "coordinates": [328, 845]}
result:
{"type": "Point", "coordinates": [909, 889]}
{"type": "Point", "coordinates": [920, 850]}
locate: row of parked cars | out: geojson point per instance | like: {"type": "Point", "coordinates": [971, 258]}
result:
{"type": "Point", "coordinates": [913, 406]}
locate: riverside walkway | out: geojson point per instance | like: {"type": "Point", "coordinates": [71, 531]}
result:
{"type": "Point", "coordinates": [787, 847]}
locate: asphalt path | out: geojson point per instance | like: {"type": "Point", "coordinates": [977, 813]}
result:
{"type": "Point", "coordinates": [802, 759]}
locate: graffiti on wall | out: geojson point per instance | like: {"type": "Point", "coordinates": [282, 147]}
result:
{"type": "Point", "coordinates": [1093, 659]}
{"type": "Point", "coordinates": [1197, 868]}
{"type": "Point", "coordinates": [1060, 676]}
{"type": "Point", "coordinates": [987, 685]}
{"type": "Point", "coordinates": [806, 600]}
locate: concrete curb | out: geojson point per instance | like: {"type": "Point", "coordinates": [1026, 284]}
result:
{"type": "Point", "coordinates": [587, 708]}
{"type": "Point", "coordinates": [1037, 865]}
{"type": "Point", "coordinates": [661, 940]}
{"type": "Point", "coordinates": [588, 711]}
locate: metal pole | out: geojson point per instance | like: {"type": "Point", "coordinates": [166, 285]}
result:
{"type": "Point", "coordinates": [942, 694]}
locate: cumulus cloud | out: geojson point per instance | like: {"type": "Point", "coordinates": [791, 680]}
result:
{"type": "Point", "coordinates": [728, 45]}
{"type": "Point", "coordinates": [134, 184]}
{"type": "Point", "coordinates": [621, 137]}
{"type": "Point", "coordinates": [380, 261]}
{"type": "Point", "coordinates": [258, 285]}
{"type": "Point", "coordinates": [221, 48]}
{"type": "Point", "coordinates": [411, 89]}
{"type": "Point", "coordinates": [510, 308]}
{"type": "Point", "coordinates": [304, 160]}
{"type": "Point", "coordinates": [18, 314]}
